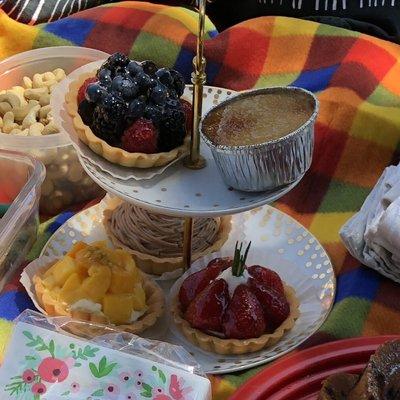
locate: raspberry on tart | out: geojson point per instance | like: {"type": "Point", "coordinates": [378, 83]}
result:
{"type": "Point", "coordinates": [82, 89]}
{"type": "Point", "coordinates": [140, 137]}
{"type": "Point", "coordinates": [231, 308]}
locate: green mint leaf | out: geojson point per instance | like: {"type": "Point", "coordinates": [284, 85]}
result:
{"type": "Point", "coordinates": [99, 392]}
{"type": "Point", "coordinates": [146, 394]}
{"type": "Point", "coordinates": [65, 393]}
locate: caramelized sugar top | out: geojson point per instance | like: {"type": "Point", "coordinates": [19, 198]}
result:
{"type": "Point", "coordinates": [258, 118]}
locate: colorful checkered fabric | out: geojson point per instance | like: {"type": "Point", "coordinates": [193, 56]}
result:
{"type": "Point", "coordinates": [357, 133]}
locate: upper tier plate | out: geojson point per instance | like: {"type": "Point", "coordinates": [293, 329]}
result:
{"type": "Point", "coordinates": [183, 192]}
{"type": "Point", "coordinates": [176, 190]}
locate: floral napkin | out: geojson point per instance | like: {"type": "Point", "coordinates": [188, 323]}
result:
{"type": "Point", "coordinates": [42, 364]}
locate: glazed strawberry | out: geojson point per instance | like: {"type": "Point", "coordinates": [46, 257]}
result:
{"type": "Point", "coordinates": [82, 89]}
{"type": "Point", "coordinates": [188, 110]}
{"type": "Point", "coordinates": [140, 137]}
{"type": "Point", "coordinates": [198, 281]}
{"type": "Point", "coordinates": [275, 305]}
{"type": "Point", "coordinates": [267, 277]}
{"type": "Point", "coordinates": [244, 317]}
{"type": "Point", "coordinates": [205, 312]}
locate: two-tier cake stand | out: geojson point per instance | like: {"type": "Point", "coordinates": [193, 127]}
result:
{"type": "Point", "coordinates": [192, 187]}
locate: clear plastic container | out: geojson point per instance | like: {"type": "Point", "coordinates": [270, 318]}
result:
{"type": "Point", "coordinates": [66, 182]}
{"type": "Point", "coordinates": [21, 177]}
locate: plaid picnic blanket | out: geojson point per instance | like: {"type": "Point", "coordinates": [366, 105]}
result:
{"type": "Point", "coordinates": [357, 81]}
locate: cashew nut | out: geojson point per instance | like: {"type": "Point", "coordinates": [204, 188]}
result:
{"type": "Point", "coordinates": [14, 97]}
{"type": "Point", "coordinates": [44, 99]}
{"type": "Point", "coordinates": [27, 82]}
{"type": "Point", "coordinates": [31, 117]}
{"type": "Point", "coordinates": [34, 94]}
{"type": "Point", "coordinates": [8, 122]}
{"type": "Point", "coordinates": [59, 74]}
{"type": "Point", "coordinates": [24, 132]}
{"type": "Point", "coordinates": [51, 88]}
{"type": "Point", "coordinates": [50, 128]}
{"type": "Point", "coordinates": [36, 129]}
{"type": "Point", "coordinates": [25, 110]}
{"type": "Point", "coordinates": [37, 81]}
{"type": "Point", "coordinates": [4, 107]}
{"type": "Point", "coordinates": [49, 76]}
{"type": "Point", "coordinates": [44, 111]}
{"type": "Point", "coordinates": [21, 113]}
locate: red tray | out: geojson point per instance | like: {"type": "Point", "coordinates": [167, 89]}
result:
{"type": "Point", "coordinates": [299, 376]}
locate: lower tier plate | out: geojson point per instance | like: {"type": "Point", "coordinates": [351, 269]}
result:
{"type": "Point", "coordinates": [289, 249]}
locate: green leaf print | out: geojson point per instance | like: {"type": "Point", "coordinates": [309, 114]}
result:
{"type": "Point", "coordinates": [83, 354]}
{"type": "Point", "coordinates": [39, 344]}
{"type": "Point", "coordinates": [65, 393]}
{"type": "Point", "coordinates": [162, 376]}
{"type": "Point", "coordinates": [147, 390]}
{"type": "Point", "coordinates": [98, 393]}
{"type": "Point", "coordinates": [103, 369]}
{"type": "Point", "coordinates": [17, 387]}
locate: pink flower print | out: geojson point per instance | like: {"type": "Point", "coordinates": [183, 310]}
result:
{"type": "Point", "coordinates": [53, 370]}
{"type": "Point", "coordinates": [125, 377]}
{"type": "Point", "coordinates": [138, 384]}
{"type": "Point", "coordinates": [157, 391]}
{"type": "Point", "coordinates": [28, 376]}
{"type": "Point", "coordinates": [139, 374]}
{"type": "Point", "coordinates": [70, 362]}
{"type": "Point", "coordinates": [39, 388]}
{"type": "Point", "coordinates": [162, 397]}
{"type": "Point", "coordinates": [176, 389]}
{"type": "Point", "coordinates": [111, 391]}
{"type": "Point", "coordinates": [131, 396]}
{"type": "Point", "coordinates": [75, 387]}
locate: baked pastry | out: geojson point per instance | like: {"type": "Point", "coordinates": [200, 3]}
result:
{"type": "Point", "coordinates": [101, 285]}
{"type": "Point", "coordinates": [379, 381]}
{"type": "Point", "coordinates": [155, 240]}
{"type": "Point", "coordinates": [229, 308]}
{"type": "Point", "coordinates": [131, 113]}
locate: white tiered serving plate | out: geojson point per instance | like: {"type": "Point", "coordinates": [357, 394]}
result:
{"type": "Point", "coordinates": [173, 189]}
{"type": "Point", "coordinates": [285, 246]}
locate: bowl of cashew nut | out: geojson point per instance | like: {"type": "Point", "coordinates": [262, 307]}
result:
{"type": "Point", "coordinates": [26, 123]}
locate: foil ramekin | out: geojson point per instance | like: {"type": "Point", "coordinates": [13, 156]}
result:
{"type": "Point", "coordinates": [269, 165]}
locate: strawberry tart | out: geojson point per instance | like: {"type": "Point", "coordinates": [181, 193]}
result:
{"type": "Point", "coordinates": [231, 308]}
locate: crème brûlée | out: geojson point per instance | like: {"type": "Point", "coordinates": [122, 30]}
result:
{"type": "Point", "coordinates": [258, 118]}
{"type": "Point", "coordinates": [99, 284]}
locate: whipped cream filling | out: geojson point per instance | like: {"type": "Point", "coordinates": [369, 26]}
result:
{"type": "Point", "coordinates": [136, 315]}
{"type": "Point", "coordinates": [91, 307]}
{"type": "Point", "coordinates": [233, 281]}
{"type": "Point", "coordinates": [86, 305]}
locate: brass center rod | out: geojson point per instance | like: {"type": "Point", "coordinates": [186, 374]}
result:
{"type": "Point", "coordinates": [187, 243]}
{"type": "Point", "coordinates": [195, 160]}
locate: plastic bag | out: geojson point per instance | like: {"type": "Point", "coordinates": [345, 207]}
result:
{"type": "Point", "coordinates": [45, 360]}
